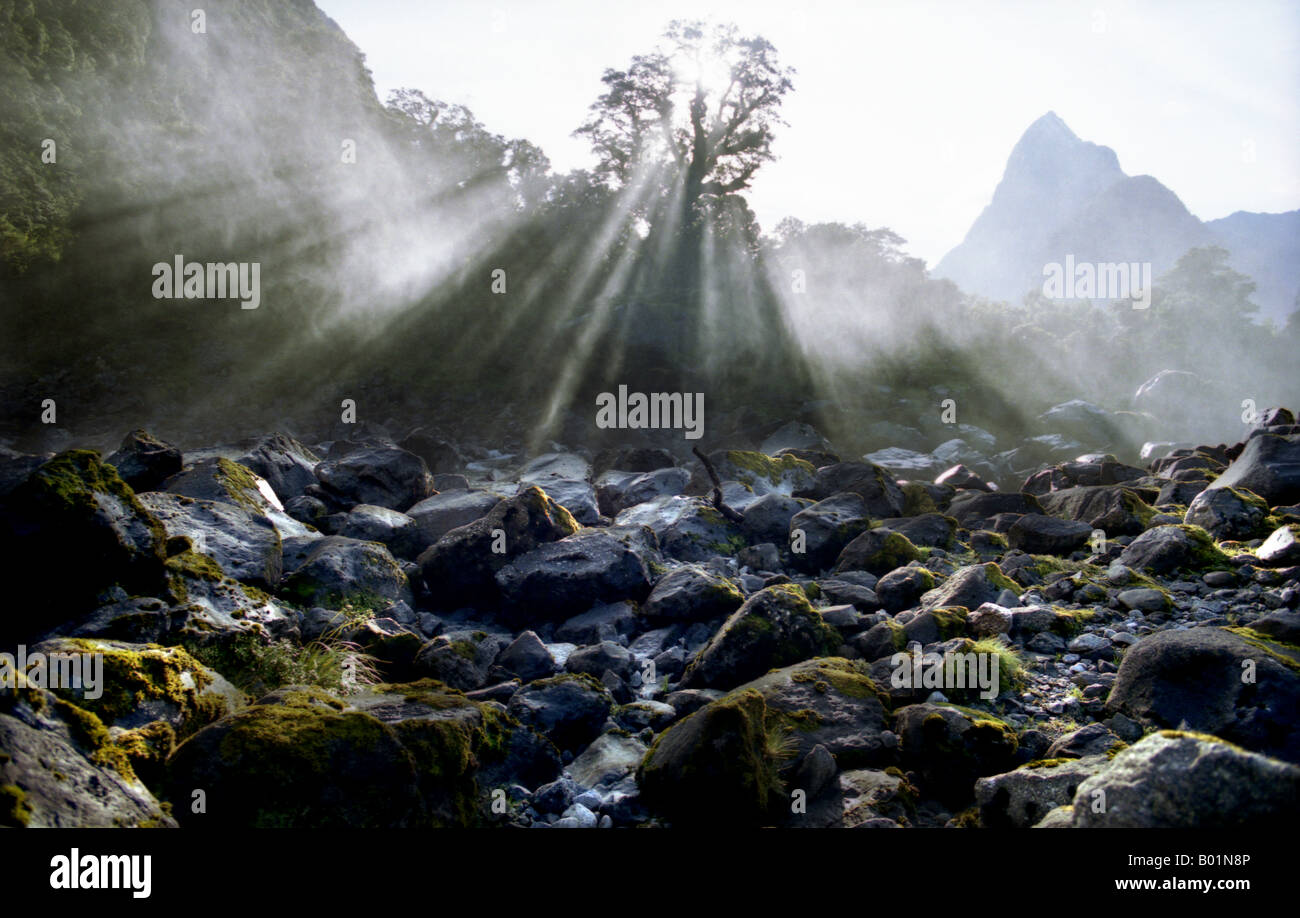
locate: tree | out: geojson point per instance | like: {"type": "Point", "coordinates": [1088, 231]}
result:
{"type": "Point", "coordinates": [703, 107]}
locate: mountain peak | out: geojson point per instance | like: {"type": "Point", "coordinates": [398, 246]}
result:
{"type": "Point", "coordinates": [1050, 125]}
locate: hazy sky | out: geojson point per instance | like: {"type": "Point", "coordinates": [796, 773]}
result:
{"type": "Point", "coordinates": [903, 113]}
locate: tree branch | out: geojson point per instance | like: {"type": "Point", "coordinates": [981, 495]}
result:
{"type": "Point", "coordinates": [717, 489]}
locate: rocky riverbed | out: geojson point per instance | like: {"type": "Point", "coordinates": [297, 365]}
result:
{"type": "Point", "coordinates": [380, 631]}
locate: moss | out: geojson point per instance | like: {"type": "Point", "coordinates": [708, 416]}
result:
{"type": "Point", "coordinates": [753, 466]}
{"type": "Point", "coordinates": [134, 678]}
{"type": "Point", "coordinates": [951, 621]}
{"type": "Point", "coordinates": [241, 484]}
{"type": "Point", "coordinates": [999, 579]}
{"type": "Point", "coordinates": [14, 810]}
{"type": "Point", "coordinates": [1069, 622]}
{"type": "Point", "coordinates": [812, 590]}
{"type": "Point", "coordinates": [429, 692]}
{"type": "Point", "coordinates": [465, 649]}
{"type": "Point", "coordinates": [1047, 763]}
{"type": "Point", "coordinates": [1286, 654]}
{"type": "Point", "coordinates": [848, 677]}
{"type": "Point", "coordinates": [147, 749]}
{"type": "Point", "coordinates": [723, 591]}
{"type": "Point", "coordinates": [89, 732]}
{"type": "Point", "coordinates": [917, 500]}
{"type": "Point", "coordinates": [980, 717]}
{"type": "Point", "coordinates": [967, 819]}
{"type": "Point", "coordinates": [1203, 737]}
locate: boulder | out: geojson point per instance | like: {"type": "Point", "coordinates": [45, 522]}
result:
{"type": "Point", "coordinates": [775, 627]}
{"type": "Point", "coordinates": [1228, 513]}
{"type": "Point", "coordinates": [1169, 548]}
{"type": "Point", "coordinates": [1116, 509]}
{"type": "Point", "coordinates": [877, 551]}
{"type": "Point", "coordinates": [447, 510]}
{"type": "Point", "coordinates": [569, 709]}
{"type": "Point", "coordinates": [1240, 687]}
{"type": "Point", "coordinates": [287, 465]}
{"type": "Point", "coordinates": [1048, 535]}
{"type": "Point", "coordinates": [883, 496]}
{"type": "Point", "coordinates": [556, 579]}
{"type": "Point", "coordinates": [1268, 466]}
{"type": "Point", "coordinates": [245, 544]}
{"type": "Point", "coordinates": [460, 568]}
{"type": "Point", "coordinates": [144, 462]}
{"type": "Point", "coordinates": [950, 747]}
{"type": "Point", "coordinates": [692, 593]}
{"type": "Point", "coordinates": [335, 571]}
{"type": "Point", "coordinates": [376, 473]}
{"type": "Point", "coordinates": [77, 521]}
{"type": "Point", "coordinates": [1177, 780]}
{"type": "Point", "coordinates": [827, 527]}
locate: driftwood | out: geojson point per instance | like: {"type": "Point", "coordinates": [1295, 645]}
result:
{"type": "Point", "coordinates": [717, 489]}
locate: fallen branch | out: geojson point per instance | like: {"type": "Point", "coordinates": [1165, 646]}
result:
{"type": "Point", "coordinates": [717, 489]}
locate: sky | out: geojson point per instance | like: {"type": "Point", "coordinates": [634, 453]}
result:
{"type": "Point", "coordinates": [903, 113]}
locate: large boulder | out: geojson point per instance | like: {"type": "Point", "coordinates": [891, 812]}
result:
{"type": "Point", "coordinates": [950, 747]}
{"type": "Point", "coordinates": [768, 518]}
{"type": "Point", "coordinates": [144, 461]}
{"type": "Point", "coordinates": [973, 509]}
{"type": "Point", "coordinates": [827, 527]}
{"type": "Point", "coordinates": [376, 473]}
{"type": "Point", "coordinates": [757, 472]}
{"type": "Point", "coordinates": [1269, 466]}
{"type": "Point", "coordinates": [692, 593]}
{"type": "Point", "coordinates": [877, 551]}
{"type": "Point", "coordinates": [775, 627]}
{"type": "Point", "coordinates": [440, 514]}
{"type": "Point", "coordinates": [1116, 509]}
{"type": "Point", "coordinates": [219, 479]}
{"type": "Point", "coordinates": [1281, 548]}
{"type": "Point", "coordinates": [402, 757]}
{"type": "Point", "coordinates": [617, 490]}
{"type": "Point", "coordinates": [245, 544]}
{"type": "Point", "coordinates": [1165, 549]}
{"type": "Point", "coordinates": [61, 769]}
{"type": "Point", "coordinates": [335, 571]}
{"type": "Point", "coordinates": [1228, 513]}
{"type": "Point", "coordinates": [75, 520]}
{"type": "Point", "coordinates": [287, 465]}
{"type": "Point", "coordinates": [1021, 798]}
{"type": "Point", "coordinates": [971, 587]}
{"type": "Point", "coordinates": [1240, 687]}
{"type": "Point", "coordinates": [833, 703]}
{"type": "Point", "coordinates": [719, 766]}
{"type": "Point", "coordinates": [1048, 535]}
{"type": "Point", "coordinates": [397, 531]}
{"type": "Point", "coordinates": [559, 579]}
{"type": "Point", "coordinates": [883, 496]}
{"type": "Point", "coordinates": [570, 709]}
{"type": "Point", "coordinates": [688, 528]}
{"type": "Point", "coordinates": [460, 568]}
{"type": "Point", "coordinates": [1177, 780]}
{"type": "Point", "coordinates": [145, 683]}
